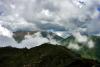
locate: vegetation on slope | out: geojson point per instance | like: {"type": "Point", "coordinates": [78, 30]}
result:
{"type": "Point", "coordinates": [92, 53]}
{"type": "Point", "coordinates": [46, 55]}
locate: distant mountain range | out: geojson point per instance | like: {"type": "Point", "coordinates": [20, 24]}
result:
{"type": "Point", "coordinates": [19, 36]}
{"type": "Point", "coordinates": [84, 51]}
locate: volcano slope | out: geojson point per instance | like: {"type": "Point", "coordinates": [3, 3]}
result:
{"type": "Point", "coordinates": [45, 55]}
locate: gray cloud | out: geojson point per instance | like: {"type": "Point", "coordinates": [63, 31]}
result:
{"type": "Point", "coordinates": [59, 15]}
{"type": "Point", "coordinates": [50, 26]}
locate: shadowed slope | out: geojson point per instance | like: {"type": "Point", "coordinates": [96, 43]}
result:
{"type": "Point", "coordinates": [46, 55]}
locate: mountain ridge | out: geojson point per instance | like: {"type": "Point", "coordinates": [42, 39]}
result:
{"type": "Point", "coordinates": [45, 55]}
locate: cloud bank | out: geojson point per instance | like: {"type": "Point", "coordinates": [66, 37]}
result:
{"type": "Point", "coordinates": [81, 39]}
{"type": "Point", "coordinates": [56, 15]}
{"type": "Point", "coordinates": [29, 41]}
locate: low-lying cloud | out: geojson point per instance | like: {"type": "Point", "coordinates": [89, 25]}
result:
{"type": "Point", "coordinates": [29, 41]}
{"type": "Point", "coordinates": [84, 39]}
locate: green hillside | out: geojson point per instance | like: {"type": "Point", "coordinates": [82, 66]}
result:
{"type": "Point", "coordinates": [93, 53]}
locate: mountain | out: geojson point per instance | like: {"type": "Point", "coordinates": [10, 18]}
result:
{"type": "Point", "coordinates": [51, 35]}
{"type": "Point", "coordinates": [45, 55]}
{"type": "Point", "coordinates": [69, 42]}
{"type": "Point", "coordinates": [96, 40]}
{"type": "Point", "coordinates": [19, 36]}
{"type": "Point", "coordinates": [85, 51]}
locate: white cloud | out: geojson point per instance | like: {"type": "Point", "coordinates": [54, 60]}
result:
{"type": "Point", "coordinates": [58, 12]}
{"type": "Point", "coordinates": [29, 41]}
{"type": "Point", "coordinates": [7, 41]}
{"type": "Point", "coordinates": [80, 38]}
{"type": "Point", "coordinates": [91, 44]}
{"type": "Point", "coordinates": [33, 40]}
{"type": "Point", "coordinates": [74, 46]}
{"type": "Point", "coordinates": [17, 23]}
{"type": "Point", "coordinates": [5, 32]}
{"type": "Point", "coordinates": [83, 39]}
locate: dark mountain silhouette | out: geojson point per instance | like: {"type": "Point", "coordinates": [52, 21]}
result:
{"type": "Point", "coordinates": [45, 55]}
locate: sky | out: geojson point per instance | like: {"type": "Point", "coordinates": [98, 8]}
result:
{"type": "Point", "coordinates": [63, 17]}
{"type": "Point", "coordinates": [51, 15]}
